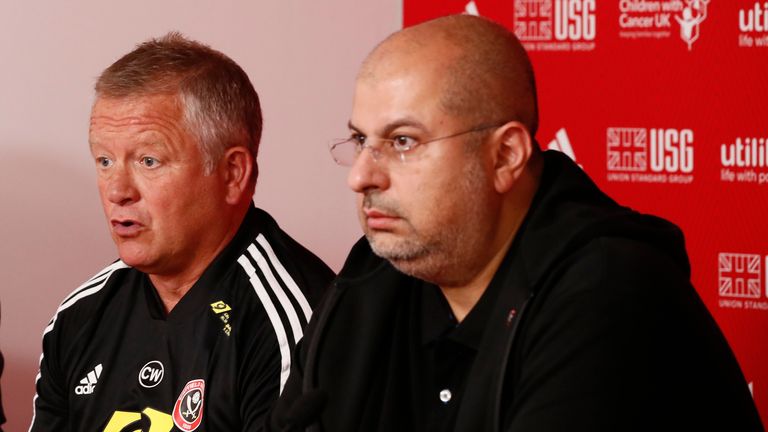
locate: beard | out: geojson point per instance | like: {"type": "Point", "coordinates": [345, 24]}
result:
{"type": "Point", "coordinates": [443, 250]}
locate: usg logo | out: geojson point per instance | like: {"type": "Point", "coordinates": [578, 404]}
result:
{"type": "Point", "coordinates": [740, 278]}
{"type": "Point", "coordinates": [655, 155]}
{"type": "Point", "coordinates": [739, 275]}
{"type": "Point", "coordinates": [556, 25]}
{"type": "Point", "coordinates": [151, 374]}
{"type": "Point", "coordinates": [575, 20]}
{"type": "Point", "coordinates": [671, 150]}
{"type": "Point", "coordinates": [627, 149]}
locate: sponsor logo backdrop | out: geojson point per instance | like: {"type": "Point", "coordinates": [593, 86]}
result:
{"type": "Point", "coordinates": [664, 104]}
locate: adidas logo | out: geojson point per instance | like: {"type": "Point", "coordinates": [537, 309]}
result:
{"type": "Point", "coordinates": [88, 384]}
{"type": "Point", "coordinates": [471, 9]}
{"type": "Point", "coordinates": [562, 144]}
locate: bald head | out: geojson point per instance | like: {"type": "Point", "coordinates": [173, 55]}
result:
{"type": "Point", "coordinates": [482, 70]}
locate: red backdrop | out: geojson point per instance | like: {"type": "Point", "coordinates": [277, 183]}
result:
{"type": "Point", "coordinates": [663, 103]}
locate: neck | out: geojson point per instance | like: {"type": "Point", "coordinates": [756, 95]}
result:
{"type": "Point", "coordinates": [464, 296]}
{"type": "Point", "coordinates": [171, 289]}
{"type": "Point", "coordinates": [172, 286]}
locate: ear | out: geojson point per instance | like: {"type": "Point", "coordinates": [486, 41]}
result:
{"type": "Point", "coordinates": [237, 164]}
{"type": "Point", "coordinates": [513, 146]}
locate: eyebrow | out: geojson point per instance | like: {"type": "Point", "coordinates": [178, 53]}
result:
{"type": "Point", "coordinates": [388, 128]}
{"type": "Point", "coordinates": [140, 144]}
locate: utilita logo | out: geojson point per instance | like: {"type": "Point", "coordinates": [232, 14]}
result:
{"type": "Point", "coordinates": [653, 19]}
{"type": "Point", "coordinates": [740, 276]}
{"type": "Point", "coordinates": [753, 26]}
{"type": "Point", "coordinates": [655, 155]}
{"type": "Point", "coordinates": [745, 160]}
{"type": "Point", "coordinates": [556, 25]}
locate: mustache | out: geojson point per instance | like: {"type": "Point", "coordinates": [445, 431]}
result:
{"type": "Point", "coordinates": [374, 200]}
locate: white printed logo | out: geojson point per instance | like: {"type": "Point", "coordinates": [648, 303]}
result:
{"type": "Point", "coordinates": [556, 25]}
{"type": "Point", "coordinates": [745, 160]}
{"type": "Point", "coordinates": [471, 9]}
{"type": "Point", "coordinates": [151, 374]}
{"type": "Point", "coordinates": [753, 26]}
{"type": "Point", "coordinates": [694, 13]}
{"type": "Point", "coordinates": [652, 19]}
{"type": "Point", "coordinates": [740, 277]}
{"type": "Point", "coordinates": [88, 384]}
{"type": "Point", "coordinates": [655, 155]}
{"type": "Point", "coordinates": [562, 144]}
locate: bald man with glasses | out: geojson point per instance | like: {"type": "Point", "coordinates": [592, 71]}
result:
{"type": "Point", "coordinates": [496, 288]}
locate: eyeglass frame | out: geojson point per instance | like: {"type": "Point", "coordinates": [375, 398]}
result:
{"type": "Point", "coordinates": [376, 152]}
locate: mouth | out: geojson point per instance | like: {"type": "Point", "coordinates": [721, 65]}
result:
{"type": "Point", "coordinates": [125, 227]}
{"type": "Point", "coordinates": [379, 220]}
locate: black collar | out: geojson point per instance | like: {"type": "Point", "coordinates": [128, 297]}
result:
{"type": "Point", "coordinates": [199, 295]}
{"type": "Point", "coordinates": [438, 321]}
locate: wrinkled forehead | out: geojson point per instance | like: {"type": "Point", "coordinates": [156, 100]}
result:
{"type": "Point", "coordinates": [400, 86]}
{"type": "Point", "coordinates": [135, 106]}
{"type": "Point", "coordinates": [130, 115]}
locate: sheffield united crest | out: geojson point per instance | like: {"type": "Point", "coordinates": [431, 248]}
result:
{"type": "Point", "coordinates": [188, 411]}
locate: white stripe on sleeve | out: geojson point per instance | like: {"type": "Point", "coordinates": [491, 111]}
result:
{"type": "Point", "coordinates": [277, 323]}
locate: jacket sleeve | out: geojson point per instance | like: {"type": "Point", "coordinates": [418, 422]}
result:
{"type": "Point", "coordinates": [259, 377]}
{"type": "Point", "coordinates": [296, 410]}
{"type": "Point", "coordinates": [620, 340]}
{"type": "Point", "coordinates": [281, 418]}
{"type": "Point", "coordinates": [265, 372]}
{"type": "Point", "coordinates": [50, 400]}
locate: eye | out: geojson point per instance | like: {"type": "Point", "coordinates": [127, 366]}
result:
{"type": "Point", "coordinates": [358, 140]}
{"type": "Point", "coordinates": [149, 162]}
{"type": "Point", "coordinates": [103, 162]}
{"type": "Point", "coordinates": [403, 143]}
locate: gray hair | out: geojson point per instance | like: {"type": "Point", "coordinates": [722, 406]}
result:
{"type": "Point", "coordinates": [220, 106]}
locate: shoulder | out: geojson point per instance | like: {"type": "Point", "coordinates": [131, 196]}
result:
{"type": "Point", "coordinates": [620, 289]}
{"type": "Point", "coordinates": [618, 325]}
{"type": "Point", "coordinates": [291, 261]}
{"type": "Point", "coordinates": [618, 274]}
{"type": "Point", "coordinates": [631, 301]}
{"type": "Point", "coordinates": [79, 305]}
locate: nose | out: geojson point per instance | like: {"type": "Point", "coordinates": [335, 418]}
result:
{"type": "Point", "coordinates": [119, 186]}
{"type": "Point", "coordinates": [367, 173]}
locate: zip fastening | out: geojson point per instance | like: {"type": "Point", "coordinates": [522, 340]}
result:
{"type": "Point", "coordinates": [500, 388]}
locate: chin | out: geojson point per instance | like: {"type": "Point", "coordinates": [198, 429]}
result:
{"type": "Point", "coordinates": [409, 258]}
{"type": "Point", "coordinates": [135, 263]}
{"type": "Point", "coordinates": [424, 269]}
{"type": "Point", "coordinates": [133, 258]}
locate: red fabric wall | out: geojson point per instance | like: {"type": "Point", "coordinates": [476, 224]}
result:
{"type": "Point", "coordinates": [663, 103]}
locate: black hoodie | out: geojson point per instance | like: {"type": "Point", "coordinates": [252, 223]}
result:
{"type": "Point", "coordinates": [596, 327]}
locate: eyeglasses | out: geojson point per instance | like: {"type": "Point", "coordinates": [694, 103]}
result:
{"type": "Point", "coordinates": [345, 151]}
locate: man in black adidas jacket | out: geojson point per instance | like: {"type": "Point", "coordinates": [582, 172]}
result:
{"type": "Point", "coordinates": [497, 288]}
{"type": "Point", "coordinates": [193, 328]}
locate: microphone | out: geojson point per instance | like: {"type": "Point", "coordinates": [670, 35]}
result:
{"type": "Point", "coordinates": [305, 410]}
